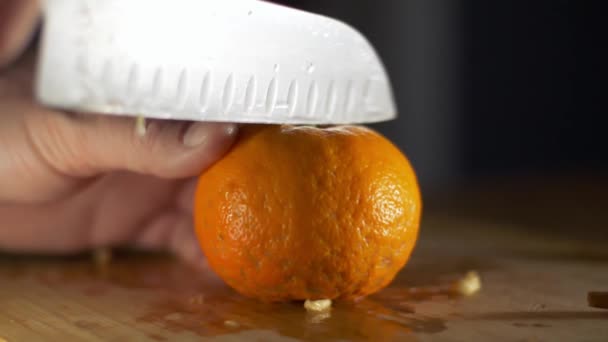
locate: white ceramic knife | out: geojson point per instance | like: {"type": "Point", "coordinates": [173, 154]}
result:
{"type": "Point", "coordinates": [209, 60]}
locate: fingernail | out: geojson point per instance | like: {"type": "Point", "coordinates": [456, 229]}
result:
{"type": "Point", "coordinates": [198, 132]}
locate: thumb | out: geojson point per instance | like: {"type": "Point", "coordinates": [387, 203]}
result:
{"type": "Point", "coordinates": [86, 145]}
{"type": "Point", "coordinates": [45, 154]}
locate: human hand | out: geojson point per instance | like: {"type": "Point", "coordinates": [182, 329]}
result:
{"type": "Point", "coordinates": [70, 182]}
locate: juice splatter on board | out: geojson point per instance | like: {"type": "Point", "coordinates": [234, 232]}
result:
{"type": "Point", "coordinates": [182, 300]}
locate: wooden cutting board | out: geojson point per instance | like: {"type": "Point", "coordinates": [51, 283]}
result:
{"type": "Point", "coordinates": [534, 288]}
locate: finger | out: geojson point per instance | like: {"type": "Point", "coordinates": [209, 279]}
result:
{"type": "Point", "coordinates": [157, 233]}
{"type": "Point", "coordinates": [46, 154]}
{"type": "Point", "coordinates": [52, 228]}
{"type": "Point", "coordinates": [93, 144]}
{"type": "Point", "coordinates": [18, 19]}
{"type": "Point", "coordinates": [109, 212]}
{"type": "Point", "coordinates": [123, 203]}
{"type": "Point", "coordinates": [185, 197]}
{"type": "Point", "coordinates": [172, 231]}
{"type": "Point", "coordinates": [184, 242]}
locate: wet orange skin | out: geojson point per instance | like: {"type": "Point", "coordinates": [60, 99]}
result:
{"type": "Point", "coordinates": [294, 213]}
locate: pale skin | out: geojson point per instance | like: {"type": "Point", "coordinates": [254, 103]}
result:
{"type": "Point", "coordinates": [71, 182]}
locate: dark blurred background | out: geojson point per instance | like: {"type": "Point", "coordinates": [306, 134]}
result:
{"type": "Point", "coordinates": [490, 89]}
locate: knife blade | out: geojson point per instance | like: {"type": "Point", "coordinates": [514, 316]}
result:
{"type": "Point", "coordinates": [209, 60]}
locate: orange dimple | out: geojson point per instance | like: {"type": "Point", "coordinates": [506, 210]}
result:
{"type": "Point", "coordinates": [293, 213]}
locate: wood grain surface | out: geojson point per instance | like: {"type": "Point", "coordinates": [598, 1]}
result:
{"type": "Point", "coordinates": [535, 278]}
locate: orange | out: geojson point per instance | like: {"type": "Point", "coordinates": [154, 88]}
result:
{"type": "Point", "coordinates": [295, 213]}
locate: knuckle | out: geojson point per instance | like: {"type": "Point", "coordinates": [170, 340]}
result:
{"type": "Point", "coordinates": [55, 142]}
